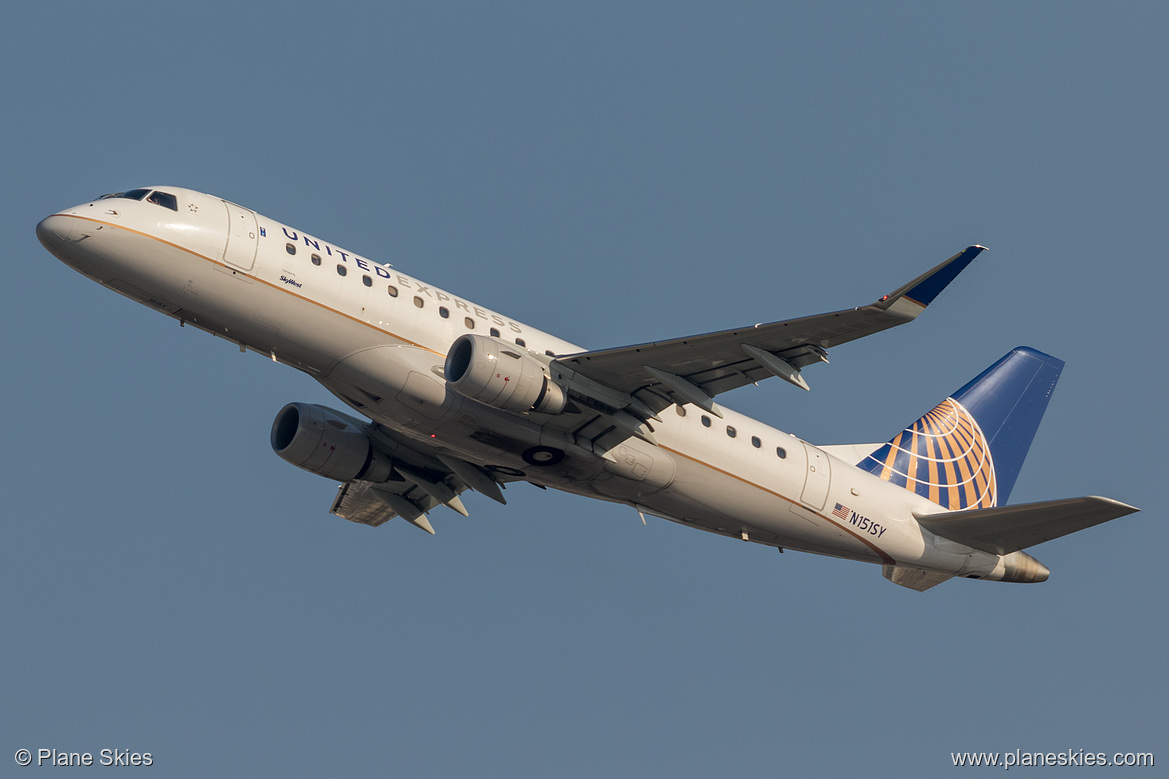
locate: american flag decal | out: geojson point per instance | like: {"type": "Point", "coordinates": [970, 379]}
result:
{"type": "Point", "coordinates": [844, 512]}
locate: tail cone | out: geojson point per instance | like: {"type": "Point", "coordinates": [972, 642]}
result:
{"type": "Point", "coordinates": [1020, 567]}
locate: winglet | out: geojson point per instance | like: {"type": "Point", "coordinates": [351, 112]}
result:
{"type": "Point", "coordinates": [911, 299]}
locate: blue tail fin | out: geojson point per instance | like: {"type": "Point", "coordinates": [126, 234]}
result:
{"type": "Point", "coordinates": [967, 452]}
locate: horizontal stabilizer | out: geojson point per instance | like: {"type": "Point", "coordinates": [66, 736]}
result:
{"type": "Point", "coordinates": [1006, 529]}
{"type": "Point", "coordinates": [914, 578]}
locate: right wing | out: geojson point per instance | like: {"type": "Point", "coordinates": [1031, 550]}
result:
{"type": "Point", "coordinates": [696, 368]}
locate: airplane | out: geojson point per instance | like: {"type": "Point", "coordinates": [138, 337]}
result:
{"type": "Point", "coordinates": [456, 397]}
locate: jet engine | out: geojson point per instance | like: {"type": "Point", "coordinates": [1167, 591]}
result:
{"type": "Point", "coordinates": [501, 374]}
{"type": "Point", "coordinates": [327, 443]}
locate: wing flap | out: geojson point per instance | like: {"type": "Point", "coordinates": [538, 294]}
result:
{"type": "Point", "coordinates": [376, 504]}
{"type": "Point", "coordinates": [357, 502]}
{"type": "Point", "coordinates": [1006, 529]}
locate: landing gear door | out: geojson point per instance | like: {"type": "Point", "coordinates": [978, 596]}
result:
{"type": "Point", "coordinates": [242, 237]}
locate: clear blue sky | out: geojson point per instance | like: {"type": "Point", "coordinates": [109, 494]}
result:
{"type": "Point", "coordinates": [614, 173]}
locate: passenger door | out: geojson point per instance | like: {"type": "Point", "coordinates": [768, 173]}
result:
{"type": "Point", "coordinates": [819, 476]}
{"type": "Point", "coordinates": [242, 237]}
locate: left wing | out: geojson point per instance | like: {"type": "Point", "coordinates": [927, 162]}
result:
{"type": "Point", "coordinates": [695, 369]}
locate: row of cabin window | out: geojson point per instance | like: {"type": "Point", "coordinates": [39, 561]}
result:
{"type": "Point", "coordinates": [443, 311]}
{"type": "Point", "coordinates": [756, 441]}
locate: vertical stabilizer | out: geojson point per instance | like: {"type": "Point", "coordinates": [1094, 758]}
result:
{"type": "Point", "coordinates": [967, 452]}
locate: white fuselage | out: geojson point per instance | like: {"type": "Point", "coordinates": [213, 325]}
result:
{"type": "Point", "coordinates": [377, 339]}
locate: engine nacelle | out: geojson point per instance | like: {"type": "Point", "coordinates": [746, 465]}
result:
{"type": "Point", "coordinates": [501, 374]}
{"type": "Point", "coordinates": [327, 443]}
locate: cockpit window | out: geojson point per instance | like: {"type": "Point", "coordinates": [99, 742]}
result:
{"type": "Point", "coordinates": [133, 194]}
{"type": "Point", "coordinates": [165, 199]}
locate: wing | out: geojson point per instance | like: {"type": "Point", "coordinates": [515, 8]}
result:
{"type": "Point", "coordinates": [1007, 529]}
{"type": "Point", "coordinates": [695, 369]}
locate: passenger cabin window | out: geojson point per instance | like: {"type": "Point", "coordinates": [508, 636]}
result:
{"type": "Point", "coordinates": [705, 421]}
{"type": "Point", "coordinates": [681, 410]}
{"type": "Point", "coordinates": [290, 248]}
{"type": "Point", "coordinates": [495, 332]}
{"type": "Point", "coordinates": [444, 312]}
{"type": "Point", "coordinates": [341, 269]}
{"type": "Point", "coordinates": [164, 199]}
{"type": "Point", "coordinates": [755, 442]}
{"type": "Point", "coordinates": [367, 281]}
{"type": "Point", "coordinates": [392, 290]}
{"type": "Point", "coordinates": [419, 302]}
{"type": "Point", "coordinates": [780, 452]}
{"type": "Point", "coordinates": [316, 258]}
{"type": "Point", "coordinates": [521, 342]}
{"type": "Point", "coordinates": [469, 322]}
{"type": "Point", "coordinates": [731, 431]}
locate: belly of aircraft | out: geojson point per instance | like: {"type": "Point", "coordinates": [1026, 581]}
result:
{"type": "Point", "coordinates": [710, 499]}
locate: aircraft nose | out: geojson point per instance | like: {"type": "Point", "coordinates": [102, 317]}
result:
{"type": "Point", "coordinates": [54, 231]}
